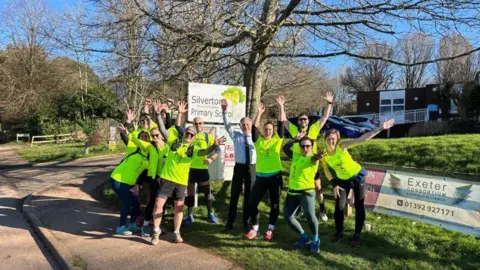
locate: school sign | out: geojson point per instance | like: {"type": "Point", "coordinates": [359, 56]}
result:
{"type": "Point", "coordinates": [446, 202]}
{"type": "Point", "coordinates": [204, 101]}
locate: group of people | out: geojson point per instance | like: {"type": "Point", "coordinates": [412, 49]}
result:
{"type": "Point", "coordinates": [169, 160]}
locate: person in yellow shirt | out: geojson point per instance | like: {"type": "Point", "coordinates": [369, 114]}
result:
{"type": "Point", "coordinates": [349, 176]}
{"type": "Point", "coordinates": [313, 130]}
{"type": "Point", "coordinates": [301, 189]}
{"type": "Point", "coordinates": [268, 145]}
{"type": "Point", "coordinates": [124, 184]}
{"type": "Point", "coordinates": [199, 173]}
{"type": "Point", "coordinates": [174, 175]}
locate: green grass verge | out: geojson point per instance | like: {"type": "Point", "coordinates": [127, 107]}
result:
{"type": "Point", "coordinates": [393, 243]}
{"type": "Point", "coordinates": [450, 153]}
{"type": "Point", "coordinates": [65, 151]}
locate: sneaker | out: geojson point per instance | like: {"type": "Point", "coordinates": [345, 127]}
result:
{"type": "Point", "coordinates": [188, 221]}
{"type": "Point", "coordinates": [145, 232]}
{"type": "Point", "coordinates": [337, 237]}
{"type": "Point", "coordinates": [212, 218]}
{"type": "Point", "coordinates": [251, 234]}
{"type": "Point", "coordinates": [303, 241]}
{"type": "Point", "coordinates": [315, 246]}
{"type": "Point", "coordinates": [123, 230]}
{"type": "Point", "coordinates": [134, 228]}
{"type": "Point", "coordinates": [178, 238]}
{"type": "Point", "coordinates": [155, 238]}
{"type": "Point", "coordinates": [323, 217]}
{"type": "Point", "coordinates": [356, 241]}
{"type": "Point", "coordinates": [269, 235]}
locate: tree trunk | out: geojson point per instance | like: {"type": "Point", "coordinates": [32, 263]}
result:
{"type": "Point", "coordinates": [258, 84]}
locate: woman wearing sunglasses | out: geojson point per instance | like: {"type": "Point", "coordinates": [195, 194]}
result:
{"type": "Point", "coordinates": [301, 189]}
{"type": "Point", "coordinates": [174, 175]}
{"type": "Point", "coordinates": [349, 175]}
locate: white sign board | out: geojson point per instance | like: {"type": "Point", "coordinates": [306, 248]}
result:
{"type": "Point", "coordinates": [222, 168]}
{"type": "Point", "coordinates": [445, 202]}
{"type": "Point", "coordinates": [204, 101]}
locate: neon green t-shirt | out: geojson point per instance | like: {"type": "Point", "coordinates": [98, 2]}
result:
{"type": "Point", "coordinates": [302, 172]}
{"type": "Point", "coordinates": [343, 164]}
{"type": "Point", "coordinates": [313, 132]}
{"type": "Point", "coordinates": [177, 165]}
{"type": "Point", "coordinates": [268, 154]}
{"type": "Point", "coordinates": [130, 168]}
{"type": "Point", "coordinates": [162, 153]}
{"type": "Point", "coordinates": [201, 143]}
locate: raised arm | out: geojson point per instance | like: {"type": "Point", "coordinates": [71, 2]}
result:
{"type": "Point", "coordinates": [256, 130]}
{"type": "Point", "coordinates": [367, 136]}
{"type": "Point", "coordinates": [287, 148]}
{"type": "Point", "coordinates": [226, 121]}
{"type": "Point", "coordinates": [282, 116]}
{"type": "Point", "coordinates": [182, 109]}
{"type": "Point", "coordinates": [218, 141]}
{"type": "Point", "coordinates": [168, 118]}
{"type": "Point", "coordinates": [281, 128]}
{"type": "Point", "coordinates": [123, 133]}
{"type": "Point", "coordinates": [158, 106]}
{"type": "Point", "coordinates": [326, 113]}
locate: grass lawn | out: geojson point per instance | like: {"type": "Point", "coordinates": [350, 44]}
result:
{"type": "Point", "coordinates": [65, 151]}
{"type": "Point", "coordinates": [450, 153]}
{"type": "Point", "coordinates": [393, 243]}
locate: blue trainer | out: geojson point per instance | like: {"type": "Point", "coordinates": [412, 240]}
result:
{"type": "Point", "coordinates": [123, 230]}
{"type": "Point", "coordinates": [315, 246]}
{"type": "Point", "coordinates": [212, 218]}
{"type": "Point", "coordinates": [133, 228]}
{"type": "Point", "coordinates": [188, 221]}
{"type": "Point", "coordinates": [304, 240]}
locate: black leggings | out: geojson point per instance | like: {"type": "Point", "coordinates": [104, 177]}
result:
{"type": "Point", "coordinates": [153, 196]}
{"type": "Point", "coordinates": [274, 186]}
{"type": "Point", "coordinates": [358, 184]}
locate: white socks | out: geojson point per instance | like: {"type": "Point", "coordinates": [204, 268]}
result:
{"type": "Point", "coordinates": [255, 228]}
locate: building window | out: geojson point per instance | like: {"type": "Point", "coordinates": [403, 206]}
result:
{"type": "Point", "coordinates": [385, 109]}
{"type": "Point", "coordinates": [385, 102]}
{"type": "Point", "coordinates": [399, 101]}
{"type": "Point", "coordinates": [392, 105]}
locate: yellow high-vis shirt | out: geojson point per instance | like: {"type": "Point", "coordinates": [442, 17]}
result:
{"type": "Point", "coordinates": [343, 164]}
{"type": "Point", "coordinates": [268, 154]}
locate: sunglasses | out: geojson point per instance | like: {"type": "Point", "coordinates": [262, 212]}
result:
{"type": "Point", "coordinates": [190, 134]}
{"type": "Point", "coordinates": [198, 124]}
{"type": "Point", "coordinates": [302, 119]}
{"type": "Point", "coordinates": [155, 135]}
{"type": "Point", "coordinates": [305, 145]}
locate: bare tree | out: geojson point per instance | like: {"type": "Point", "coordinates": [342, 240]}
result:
{"type": "Point", "coordinates": [458, 70]}
{"type": "Point", "coordinates": [24, 73]}
{"type": "Point", "coordinates": [251, 32]}
{"type": "Point", "coordinates": [370, 74]}
{"type": "Point", "coordinates": [412, 49]}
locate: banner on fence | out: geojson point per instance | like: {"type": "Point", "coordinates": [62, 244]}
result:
{"type": "Point", "coordinates": [444, 202]}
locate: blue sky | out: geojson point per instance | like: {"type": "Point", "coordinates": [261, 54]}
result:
{"type": "Point", "coordinates": [331, 65]}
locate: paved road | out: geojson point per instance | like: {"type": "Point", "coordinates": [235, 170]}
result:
{"type": "Point", "coordinates": [19, 246]}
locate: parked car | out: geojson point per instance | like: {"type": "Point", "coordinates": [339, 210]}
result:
{"type": "Point", "coordinates": [346, 128]}
{"type": "Point", "coordinates": [363, 121]}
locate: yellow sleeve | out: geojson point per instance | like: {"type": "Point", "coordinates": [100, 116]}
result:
{"type": "Point", "coordinates": [139, 143]}
{"type": "Point", "coordinates": [152, 161]}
